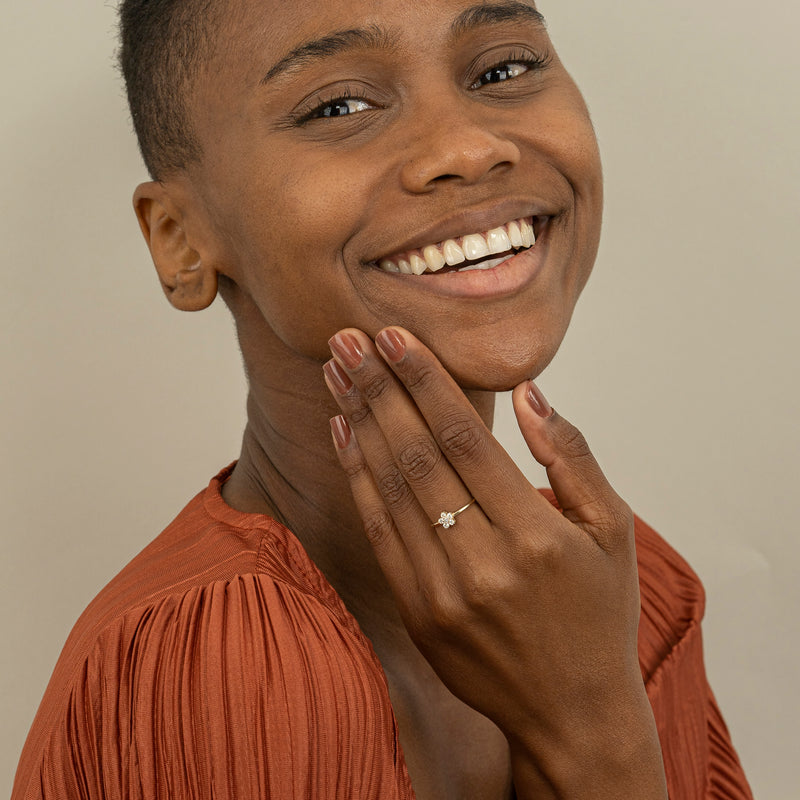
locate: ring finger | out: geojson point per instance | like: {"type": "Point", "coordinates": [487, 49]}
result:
{"type": "Point", "coordinates": [386, 419]}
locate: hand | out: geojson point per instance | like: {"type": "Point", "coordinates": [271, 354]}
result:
{"type": "Point", "coordinates": [527, 614]}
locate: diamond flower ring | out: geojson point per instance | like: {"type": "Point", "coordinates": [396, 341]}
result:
{"type": "Point", "coordinates": [448, 518]}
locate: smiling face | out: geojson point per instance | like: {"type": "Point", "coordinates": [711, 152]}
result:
{"type": "Point", "coordinates": [376, 162]}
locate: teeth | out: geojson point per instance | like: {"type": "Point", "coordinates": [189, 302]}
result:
{"type": "Point", "coordinates": [490, 264]}
{"type": "Point", "coordinates": [418, 265]}
{"type": "Point", "coordinates": [433, 258]}
{"type": "Point", "coordinates": [498, 241]}
{"type": "Point", "coordinates": [452, 253]}
{"type": "Point", "coordinates": [514, 235]}
{"type": "Point", "coordinates": [387, 265]}
{"type": "Point", "coordinates": [474, 246]}
{"type": "Point", "coordinates": [528, 236]}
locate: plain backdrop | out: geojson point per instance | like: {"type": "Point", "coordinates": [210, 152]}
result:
{"type": "Point", "coordinates": [681, 366]}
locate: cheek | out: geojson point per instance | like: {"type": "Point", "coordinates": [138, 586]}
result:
{"type": "Point", "coordinates": [571, 145]}
{"type": "Point", "coordinates": [290, 226]}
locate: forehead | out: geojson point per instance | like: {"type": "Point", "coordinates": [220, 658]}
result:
{"type": "Point", "coordinates": [276, 28]}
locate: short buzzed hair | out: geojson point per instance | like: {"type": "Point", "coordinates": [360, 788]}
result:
{"type": "Point", "coordinates": [164, 44]}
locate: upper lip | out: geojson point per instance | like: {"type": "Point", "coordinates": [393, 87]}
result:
{"type": "Point", "coordinates": [465, 222]}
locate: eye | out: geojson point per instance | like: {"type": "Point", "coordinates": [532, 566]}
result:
{"type": "Point", "coordinates": [345, 102]}
{"type": "Point", "coordinates": [326, 111]}
{"type": "Point", "coordinates": [341, 107]}
{"type": "Point", "coordinates": [500, 73]}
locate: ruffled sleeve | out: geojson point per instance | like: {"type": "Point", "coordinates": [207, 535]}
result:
{"type": "Point", "coordinates": [699, 757]}
{"type": "Point", "coordinates": [245, 688]}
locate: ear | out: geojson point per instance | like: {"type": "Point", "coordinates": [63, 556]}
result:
{"type": "Point", "coordinates": [188, 283]}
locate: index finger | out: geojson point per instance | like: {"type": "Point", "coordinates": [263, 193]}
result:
{"type": "Point", "coordinates": [481, 462]}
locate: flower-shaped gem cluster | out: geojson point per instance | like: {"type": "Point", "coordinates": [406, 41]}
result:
{"type": "Point", "coordinates": [447, 519]}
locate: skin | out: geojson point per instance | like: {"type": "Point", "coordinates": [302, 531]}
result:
{"type": "Point", "coordinates": [509, 642]}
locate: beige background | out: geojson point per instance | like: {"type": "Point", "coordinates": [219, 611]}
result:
{"type": "Point", "coordinates": [681, 366]}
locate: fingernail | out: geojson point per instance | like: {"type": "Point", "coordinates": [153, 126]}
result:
{"type": "Point", "coordinates": [391, 344]}
{"type": "Point", "coordinates": [338, 377]}
{"type": "Point", "coordinates": [341, 432]}
{"type": "Point", "coordinates": [538, 401]}
{"type": "Point", "coordinates": [346, 347]}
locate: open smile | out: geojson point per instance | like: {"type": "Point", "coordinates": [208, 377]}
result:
{"type": "Point", "coordinates": [475, 251]}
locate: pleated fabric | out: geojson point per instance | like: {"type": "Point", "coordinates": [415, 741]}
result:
{"type": "Point", "coordinates": [221, 664]}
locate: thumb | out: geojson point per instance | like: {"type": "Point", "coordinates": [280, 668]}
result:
{"type": "Point", "coordinates": [582, 490]}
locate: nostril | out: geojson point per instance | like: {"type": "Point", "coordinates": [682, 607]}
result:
{"type": "Point", "coordinates": [467, 155]}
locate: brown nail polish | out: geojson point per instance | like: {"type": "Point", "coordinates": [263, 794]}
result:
{"type": "Point", "coordinates": [391, 344]}
{"type": "Point", "coordinates": [338, 377]}
{"type": "Point", "coordinates": [538, 401]}
{"type": "Point", "coordinates": [341, 432]}
{"type": "Point", "coordinates": [345, 346]}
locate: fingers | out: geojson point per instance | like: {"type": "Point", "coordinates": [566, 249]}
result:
{"type": "Point", "coordinates": [582, 490]}
{"type": "Point", "coordinates": [425, 441]}
{"type": "Point", "coordinates": [393, 469]}
{"type": "Point", "coordinates": [379, 526]}
{"type": "Point", "coordinates": [467, 445]}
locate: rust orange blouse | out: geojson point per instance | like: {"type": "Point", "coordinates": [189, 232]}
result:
{"type": "Point", "coordinates": [221, 664]}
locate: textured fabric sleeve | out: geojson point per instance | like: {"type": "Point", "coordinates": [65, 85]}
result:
{"type": "Point", "coordinates": [699, 758]}
{"type": "Point", "coordinates": [239, 689]}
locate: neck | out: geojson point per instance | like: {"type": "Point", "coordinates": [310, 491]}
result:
{"type": "Point", "coordinates": [288, 469]}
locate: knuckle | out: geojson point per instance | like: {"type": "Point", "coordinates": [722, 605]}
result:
{"type": "Point", "coordinates": [462, 440]}
{"type": "Point", "coordinates": [545, 555]}
{"type": "Point", "coordinates": [359, 415]}
{"type": "Point", "coordinates": [484, 589]}
{"type": "Point", "coordinates": [445, 612]}
{"type": "Point", "coordinates": [355, 470]}
{"type": "Point", "coordinates": [420, 377]}
{"type": "Point", "coordinates": [617, 516]}
{"type": "Point", "coordinates": [375, 386]}
{"type": "Point", "coordinates": [379, 528]}
{"type": "Point", "coordinates": [393, 487]}
{"type": "Point", "coordinates": [612, 522]}
{"type": "Point", "coordinates": [621, 522]}
{"type": "Point", "coordinates": [574, 443]}
{"type": "Point", "coordinates": [418, 458]}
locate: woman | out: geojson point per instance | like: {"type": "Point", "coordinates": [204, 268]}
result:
{"type": "Point", "coordinates": [407, 202]}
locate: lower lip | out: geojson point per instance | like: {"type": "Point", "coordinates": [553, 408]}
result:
{"type": "Point", "coordinates": [503, 280]}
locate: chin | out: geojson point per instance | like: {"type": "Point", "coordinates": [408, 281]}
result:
{"type": "Point", "coordinates": [502, 365]}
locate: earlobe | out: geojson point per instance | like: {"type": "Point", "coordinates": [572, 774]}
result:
{"type": "Point", "coordinates": [188, 282]}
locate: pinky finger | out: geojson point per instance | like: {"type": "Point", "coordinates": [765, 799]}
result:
{"type": "Point", "coordinates": [379, 526]}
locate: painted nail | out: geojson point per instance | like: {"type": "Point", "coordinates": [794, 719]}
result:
{"type": "Point", "coordinates": [346, 347]}
{"type": "Point", "coordinates": [338, 377]}
{"type": "Point", "coordinates": [538, 401]}
{"type": "Point", "coordinates": [341, 432]}
{"type": "Point", "coordinates": [391, 344]}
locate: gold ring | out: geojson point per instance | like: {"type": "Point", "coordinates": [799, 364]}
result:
{"type": "Point", "coordinates": [448, 518]}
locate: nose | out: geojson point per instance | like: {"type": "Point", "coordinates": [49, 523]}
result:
{"type": "Point", "coordinates": [458, 147]}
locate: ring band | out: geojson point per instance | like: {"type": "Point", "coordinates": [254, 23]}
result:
{"type": "Point", "coordinates": [448, 518]}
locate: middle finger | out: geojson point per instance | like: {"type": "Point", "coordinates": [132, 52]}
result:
{"type": "Point", "coordinates": [387, 416]}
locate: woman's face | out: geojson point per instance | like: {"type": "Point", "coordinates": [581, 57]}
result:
{"type": "Point", "coordinates": [347, 140]}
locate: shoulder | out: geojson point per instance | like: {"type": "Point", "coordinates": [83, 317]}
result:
{"type": "Point", "coordinates": [218, 653]}
{"type": "Point", "coordinates": [699, 757]}
{"type": "Point", "coordinates": [672, 598]}
{"type": "Point", "coordinates": [247, 687]}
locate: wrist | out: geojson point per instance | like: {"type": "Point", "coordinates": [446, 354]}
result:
{"type": "Point", "coordinates": [617, 756]}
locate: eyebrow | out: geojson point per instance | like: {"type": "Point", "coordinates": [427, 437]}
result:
{"type": "Point", "coordinates": [374, 37]}
{"type": "Point", "coordinates": [494, 13]}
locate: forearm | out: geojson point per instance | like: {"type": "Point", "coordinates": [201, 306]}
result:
{"type": "Point", "coordinates": [615, 761]}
